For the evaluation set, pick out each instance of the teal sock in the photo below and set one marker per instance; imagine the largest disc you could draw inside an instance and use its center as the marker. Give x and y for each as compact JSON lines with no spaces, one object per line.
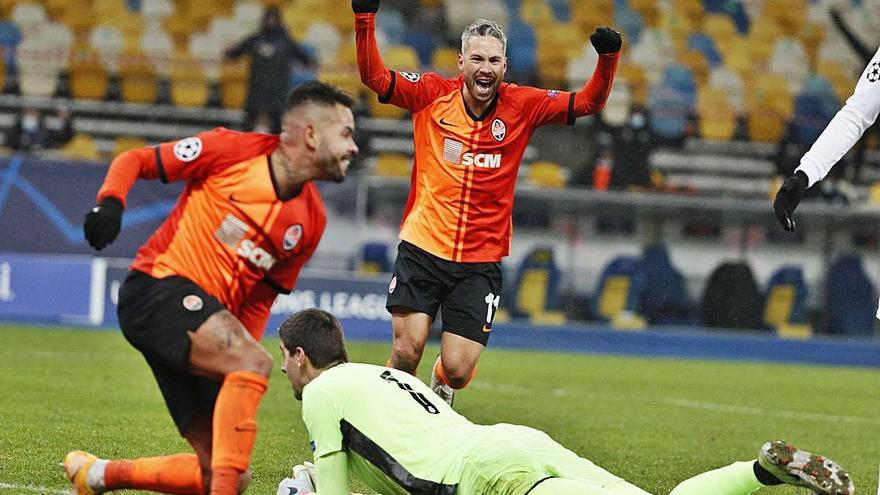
{"x":736,"y":479}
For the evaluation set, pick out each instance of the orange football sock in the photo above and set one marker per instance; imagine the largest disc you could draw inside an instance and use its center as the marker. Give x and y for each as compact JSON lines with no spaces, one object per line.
{"x":179,"y":473}
{"x":440,"y":374}
{"x":235,"y":429}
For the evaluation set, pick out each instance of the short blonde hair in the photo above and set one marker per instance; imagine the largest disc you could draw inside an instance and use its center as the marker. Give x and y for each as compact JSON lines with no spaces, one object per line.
{"x":484,"y":27}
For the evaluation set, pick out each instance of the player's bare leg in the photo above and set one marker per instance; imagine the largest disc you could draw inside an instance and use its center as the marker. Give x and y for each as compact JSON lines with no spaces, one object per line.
{"x":222,"y":348}
{"x":410,"y":333}
{"x":456,"y":365}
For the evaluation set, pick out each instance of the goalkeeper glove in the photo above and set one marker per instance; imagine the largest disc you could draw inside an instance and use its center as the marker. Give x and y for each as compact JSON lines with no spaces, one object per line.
{"x":302,"y":482}
{"x":606,"y":40}
{"x":102,"y":224}
{"x":790,"y":194}
{"x":365,"y":6}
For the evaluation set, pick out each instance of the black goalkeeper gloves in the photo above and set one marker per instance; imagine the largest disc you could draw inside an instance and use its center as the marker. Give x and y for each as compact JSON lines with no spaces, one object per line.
{"x":790,"y":194}
{"x":103,"y":222}
{"x":606,"y":40}
{"x":365,"y":6}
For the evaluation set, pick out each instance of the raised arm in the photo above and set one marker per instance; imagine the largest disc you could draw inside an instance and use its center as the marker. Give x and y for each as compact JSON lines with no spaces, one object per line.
{"x":373,"y":72}
{"x":592,"y":97}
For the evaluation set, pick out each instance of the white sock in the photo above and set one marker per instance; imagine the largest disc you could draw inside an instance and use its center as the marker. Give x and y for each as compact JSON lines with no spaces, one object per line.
{"x":95,"y":477}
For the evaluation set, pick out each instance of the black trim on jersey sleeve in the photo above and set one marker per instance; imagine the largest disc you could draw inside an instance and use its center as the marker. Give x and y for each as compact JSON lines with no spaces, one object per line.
{"x":570,"y":119}
{"x":159,"y":166}
{"x":387,"y":96}
{"x":275,"y":286}
{"x":537,"y":483}
{"x":354,"y":440}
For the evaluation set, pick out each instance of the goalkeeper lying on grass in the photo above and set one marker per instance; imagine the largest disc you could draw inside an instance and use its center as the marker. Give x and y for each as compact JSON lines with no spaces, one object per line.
{"x":395,"y":434}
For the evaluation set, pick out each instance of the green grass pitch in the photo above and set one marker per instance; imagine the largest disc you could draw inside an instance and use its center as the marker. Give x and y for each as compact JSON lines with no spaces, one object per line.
{"x":652,"y":421}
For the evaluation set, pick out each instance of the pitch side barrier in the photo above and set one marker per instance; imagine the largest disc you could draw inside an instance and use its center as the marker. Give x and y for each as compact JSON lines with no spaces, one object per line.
{"x":82,"y":291}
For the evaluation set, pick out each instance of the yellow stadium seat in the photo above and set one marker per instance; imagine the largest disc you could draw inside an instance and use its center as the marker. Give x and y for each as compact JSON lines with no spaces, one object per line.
{"x":769,"y":105}
{"x":180,"y":28}
{"x":719,"y":26}
{"x":126,"y":143}
{"x":384,"y":110}
{"x":635,"y":75}
{"x":393,"y":165}
{"x":648,"y":9}
{"x":80,"y":20}
{"x":780,"y":302}
{"x":587,"y":16}
{"x":444,"y":60}
{"x":697,"y":63}
{"x":234,"y":83}
{"x":692,"y":9}
{"x":613,"y":296}
{"x":546,"y":174}
{"x":532,"y":293}
{"x":347,"y":80}
{"x":138,"y":79}
{"x":81,"y":147}
{"x":717,"y":118}
{"x":401,"y":57}
{"x":555,"y":49}
{"x":189,"y":85}
{"x":536,"y":13}
{"x":88,"y":77}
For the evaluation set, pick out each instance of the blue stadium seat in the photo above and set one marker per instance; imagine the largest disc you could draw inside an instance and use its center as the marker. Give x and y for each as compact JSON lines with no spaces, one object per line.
{"x":537,"y":284}
{"x":373,"y":258}
{"x":681,"y":79}
{"x":814,"y":107}
{"x":702,"y":43}
{"x":669,"y":112}
{"x":664,"y":299}
{"x":851,"y":299}
{"x":424,"y":43}
{"x":561,"y":10}
{"x":10,"y":37}
{"x":394,"y":26}
{"x":785,"y":298}
{"x":521,"y":48}
{"x":620,"y":288}
{"x":631,"y":23}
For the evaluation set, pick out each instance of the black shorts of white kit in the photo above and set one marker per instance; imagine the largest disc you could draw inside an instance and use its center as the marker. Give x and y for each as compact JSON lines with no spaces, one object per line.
{"x":467,"y":294}
{"x":155,"y":316}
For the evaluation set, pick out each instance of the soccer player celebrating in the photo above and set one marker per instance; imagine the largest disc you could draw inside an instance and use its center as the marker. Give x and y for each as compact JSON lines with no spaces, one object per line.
{"x":388,"y":429}
{"x":470,"y":133}
{"x":844,"y":130}
{"x":199,"y":292}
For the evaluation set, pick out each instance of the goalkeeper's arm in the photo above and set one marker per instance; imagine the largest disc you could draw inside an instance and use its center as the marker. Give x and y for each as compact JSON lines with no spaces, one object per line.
{"x":333,"y":472}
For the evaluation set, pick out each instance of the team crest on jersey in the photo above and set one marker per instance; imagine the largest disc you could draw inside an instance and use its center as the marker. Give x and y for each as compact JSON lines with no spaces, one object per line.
{"x":410,"y":76}
{"x":187,"y":150}
{"x":499,"y":130}
{"x":292,"y":236}
{"x":553,"y":94}
{"x":193,"y":303}
{"x":874,"y":72}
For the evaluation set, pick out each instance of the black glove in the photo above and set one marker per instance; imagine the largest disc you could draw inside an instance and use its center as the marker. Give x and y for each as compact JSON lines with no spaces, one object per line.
{"x":790,"y":194}
{"x":606,"y":40}
{"x":365,"y":6}
{"x":103,"y":222}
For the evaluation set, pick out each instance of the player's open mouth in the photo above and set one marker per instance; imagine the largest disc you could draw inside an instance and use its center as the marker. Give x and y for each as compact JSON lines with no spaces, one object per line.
{"x":484,"y":83}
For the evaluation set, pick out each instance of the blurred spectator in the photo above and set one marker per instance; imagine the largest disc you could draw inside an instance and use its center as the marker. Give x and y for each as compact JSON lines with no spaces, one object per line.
{"x":30,"y":132}
{"x":621,"y":156}
{"x":272,"y":52}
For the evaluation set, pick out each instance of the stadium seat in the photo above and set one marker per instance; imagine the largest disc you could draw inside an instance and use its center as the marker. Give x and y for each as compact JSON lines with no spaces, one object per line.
{"x":732,"y":85}
{"x":108,"y":42}
{"x":189,"y":86}
{"x":587,"y":16}
{"x":785,"y":297}
{"x":769,"y":105}
{"x":326,"y":39}
{"x":88,"y":77}
{"x":401,"y":57}
{"x":702,"y":43}
{"x":81,"y":147}
{"x":208,"y":49}
{"x":423,"y":42}
{"x":234,"y":83}
{"x":619,"y":105}
{"x":126,"y":143}
{"x":521,"y":50}
{"x":581,"y":68}
{"x":664,"y":299}
{"x":670,"y":111}
{"x":619,"y":290}
{"x":10,"y":37}
{"x":548,"y":175}
{"x":631,"y":24}
{"x":654,"y":53}
{"x":537,"y":287}
{"x":851,"y":299}
{"x":248,"y":15}
{"x":648,"y":9}
{"x":814,"y":107}
{"x":393,"y":165}
{"x":717,"y":117}
{"x":445,"y":61}
{"x":28,"y":16}
{"x":156,"y":10}
{"x":732,"y":299}
{"x":637,"y":79}
{"x":373,"y":259}
{"x":537,"y":13}
{"x":159,"y":47}
{"x":555,"y":49}
{"x":789,"y":61}
{"x":138,"y":79}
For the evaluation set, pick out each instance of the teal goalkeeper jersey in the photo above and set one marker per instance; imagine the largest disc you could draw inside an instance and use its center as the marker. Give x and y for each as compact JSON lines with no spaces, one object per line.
{"x":401,"y":438}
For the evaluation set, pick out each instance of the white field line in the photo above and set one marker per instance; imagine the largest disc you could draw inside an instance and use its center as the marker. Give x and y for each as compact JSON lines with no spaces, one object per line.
{"x":15,"y":488}
{"x":685,"y":403}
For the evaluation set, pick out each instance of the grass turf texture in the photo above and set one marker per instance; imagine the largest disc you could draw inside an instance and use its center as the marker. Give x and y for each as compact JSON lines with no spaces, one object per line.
{"x":652,"y":421}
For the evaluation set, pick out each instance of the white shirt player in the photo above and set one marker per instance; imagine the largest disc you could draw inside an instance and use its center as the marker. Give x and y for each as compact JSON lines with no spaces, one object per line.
{"x":847,"y":126}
